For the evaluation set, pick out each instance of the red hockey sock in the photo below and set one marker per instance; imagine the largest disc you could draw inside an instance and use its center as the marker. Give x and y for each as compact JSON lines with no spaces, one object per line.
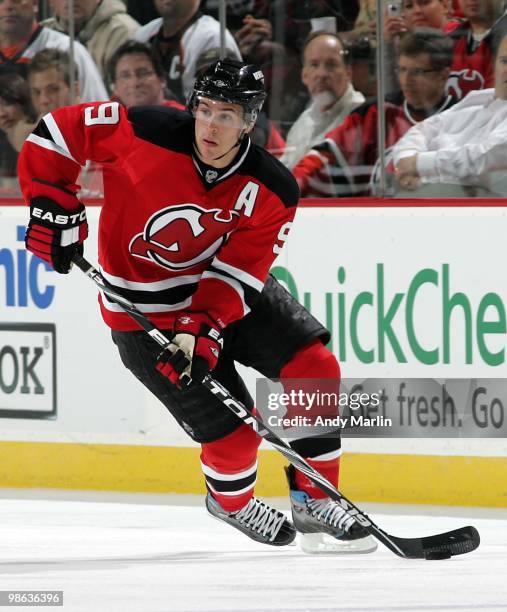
{"x":330,"y":469}
{"x":230,"y":467}
{"x":316,"y":361}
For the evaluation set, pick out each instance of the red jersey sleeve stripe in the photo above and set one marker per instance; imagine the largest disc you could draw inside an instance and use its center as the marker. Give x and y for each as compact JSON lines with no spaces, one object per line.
{"x":56,"y":143}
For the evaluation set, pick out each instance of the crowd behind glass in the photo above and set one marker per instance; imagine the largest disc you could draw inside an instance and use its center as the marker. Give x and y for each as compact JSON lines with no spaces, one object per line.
{"x":444,"y":113}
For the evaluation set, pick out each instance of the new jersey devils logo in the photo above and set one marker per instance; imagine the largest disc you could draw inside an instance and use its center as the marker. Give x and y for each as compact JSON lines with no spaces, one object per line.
{"x":462,"y":82}
{"x":180,"y":237}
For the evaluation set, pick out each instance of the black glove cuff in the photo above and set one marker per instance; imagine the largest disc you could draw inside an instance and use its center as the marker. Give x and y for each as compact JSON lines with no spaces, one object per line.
{"x":48,"y":213}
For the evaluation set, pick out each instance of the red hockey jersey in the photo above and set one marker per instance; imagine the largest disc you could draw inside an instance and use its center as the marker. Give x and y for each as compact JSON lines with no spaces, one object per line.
{"x":171,"y":237}
{"x":472,"y":64}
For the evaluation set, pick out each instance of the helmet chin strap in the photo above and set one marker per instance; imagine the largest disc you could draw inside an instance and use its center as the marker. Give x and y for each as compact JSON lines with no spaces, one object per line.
{"x":236,"y":144}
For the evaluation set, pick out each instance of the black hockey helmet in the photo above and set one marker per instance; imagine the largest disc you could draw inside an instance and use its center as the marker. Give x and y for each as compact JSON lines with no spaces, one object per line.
{"x":231,"y":81}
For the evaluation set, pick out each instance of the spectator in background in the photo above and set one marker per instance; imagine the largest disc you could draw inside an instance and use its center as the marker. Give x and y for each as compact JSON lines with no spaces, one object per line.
{"x":255,"y":38}
{"x":49,"y":82}
{"x":17,"y":119}
{"x":100,"y":25}
{"x":47,"y":89}
{"x":249,"y":23}
{"x":465,"y":146}
{"x":254,"y":35}
{"x":137,"y":77}
{"x":365,"y":25}
{"x":413,"y":14}
{"x":346,"y":162}
{"x":326,"y":75}
{"x":21,"y":37}
{"x":48,"y":77}
{"x":423,"y":14}
{"x":405,"y":16}
{"x":472,"y":66}
{"x":362,"y":62}
{"x":179,"y":37}
{"x":292,"y":22}
{"x":345,"y":12}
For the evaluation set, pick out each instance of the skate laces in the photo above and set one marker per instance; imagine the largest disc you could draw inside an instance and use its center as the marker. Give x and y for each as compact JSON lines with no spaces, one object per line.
{"x":330,"y":512}
{"x":261,"y":518}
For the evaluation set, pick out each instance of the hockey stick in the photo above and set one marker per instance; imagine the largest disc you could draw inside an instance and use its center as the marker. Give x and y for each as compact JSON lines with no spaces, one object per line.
{"x":440,"y":546}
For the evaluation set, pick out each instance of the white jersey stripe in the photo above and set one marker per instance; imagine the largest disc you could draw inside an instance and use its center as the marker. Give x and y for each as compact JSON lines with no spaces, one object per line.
{"x":153,"y":308}
{"x":48,"y":144}
{"x":208,"y":471}
{"x":168,"y":283}
{"x":232,"y":493}
{"x":54,"y":130}
{"x":242,"y":276}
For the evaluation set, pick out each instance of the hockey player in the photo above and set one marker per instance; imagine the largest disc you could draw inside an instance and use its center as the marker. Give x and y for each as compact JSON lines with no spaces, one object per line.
{"x":193,"y":217}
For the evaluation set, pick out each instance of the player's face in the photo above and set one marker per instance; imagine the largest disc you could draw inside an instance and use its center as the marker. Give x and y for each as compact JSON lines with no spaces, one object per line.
{"x":422,"y":85}
{"x":16,"y":17}
{"x":324,"y":71}
{"x":10,"y":114}
{"x":49,"y":91}
{"x":425,"y":13}
{"x":501,"y":71}
{"x":218,"y":125}
{"x":136,"y":82}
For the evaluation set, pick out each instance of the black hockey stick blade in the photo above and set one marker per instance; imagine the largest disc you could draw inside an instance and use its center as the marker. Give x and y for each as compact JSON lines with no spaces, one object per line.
{"x":440,"y":546}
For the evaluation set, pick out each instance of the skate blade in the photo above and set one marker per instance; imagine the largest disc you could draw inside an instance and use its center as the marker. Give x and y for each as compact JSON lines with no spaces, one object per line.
{"x":324,"y":544}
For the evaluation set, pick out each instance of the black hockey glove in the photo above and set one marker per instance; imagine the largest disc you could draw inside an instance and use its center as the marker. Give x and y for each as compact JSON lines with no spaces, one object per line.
{"x":54,"y":233}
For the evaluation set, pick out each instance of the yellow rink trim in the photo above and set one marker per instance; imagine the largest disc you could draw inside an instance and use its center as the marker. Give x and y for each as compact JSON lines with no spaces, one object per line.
{"x":418,"y":479}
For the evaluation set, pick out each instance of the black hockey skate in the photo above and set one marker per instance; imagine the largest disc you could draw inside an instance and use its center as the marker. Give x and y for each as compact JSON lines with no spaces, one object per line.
{"x":324,"y":524}
{"x":257,"y":520}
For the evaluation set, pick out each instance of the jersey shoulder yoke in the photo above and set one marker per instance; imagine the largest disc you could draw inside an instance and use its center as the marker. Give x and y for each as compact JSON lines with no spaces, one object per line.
{"x":262,"y":166}
{"x":163,"y":126}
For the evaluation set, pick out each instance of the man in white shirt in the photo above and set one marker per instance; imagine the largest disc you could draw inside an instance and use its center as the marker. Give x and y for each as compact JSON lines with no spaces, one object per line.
{"x":466,"y":145}
{"x":327,"y":76}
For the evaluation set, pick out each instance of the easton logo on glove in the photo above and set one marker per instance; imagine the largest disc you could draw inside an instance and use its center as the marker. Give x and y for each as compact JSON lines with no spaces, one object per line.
{"x":70,"y":220}
{"x":194,"y":349}
{"x":55,"y":234}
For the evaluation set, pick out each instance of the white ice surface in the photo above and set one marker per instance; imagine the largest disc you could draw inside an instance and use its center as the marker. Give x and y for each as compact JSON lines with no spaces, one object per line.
{"x":142,"y":554}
